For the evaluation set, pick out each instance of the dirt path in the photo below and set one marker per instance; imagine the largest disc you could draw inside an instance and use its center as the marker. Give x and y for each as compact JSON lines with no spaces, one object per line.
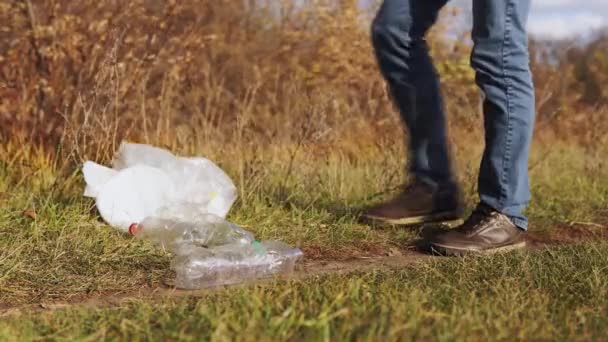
{"x":307,"y":268}
{"x":397,"y":258}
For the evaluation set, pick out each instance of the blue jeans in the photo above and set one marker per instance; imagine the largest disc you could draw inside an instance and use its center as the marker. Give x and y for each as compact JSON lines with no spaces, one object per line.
{"x":501,"y":62}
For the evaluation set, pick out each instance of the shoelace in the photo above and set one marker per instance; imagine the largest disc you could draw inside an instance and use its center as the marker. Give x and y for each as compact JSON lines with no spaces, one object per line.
{"x":479,"y":217}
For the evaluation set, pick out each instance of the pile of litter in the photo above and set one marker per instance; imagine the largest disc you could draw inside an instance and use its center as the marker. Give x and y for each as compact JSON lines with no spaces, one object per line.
{"x":180,"y":204}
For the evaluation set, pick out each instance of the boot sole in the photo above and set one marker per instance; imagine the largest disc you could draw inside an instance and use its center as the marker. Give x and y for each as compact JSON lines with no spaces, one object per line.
{"x":454,"y":251}
{"x":414,"y":220}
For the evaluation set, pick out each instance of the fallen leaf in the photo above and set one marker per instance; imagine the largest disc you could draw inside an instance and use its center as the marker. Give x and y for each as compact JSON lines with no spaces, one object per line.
{"x":30,"y":213}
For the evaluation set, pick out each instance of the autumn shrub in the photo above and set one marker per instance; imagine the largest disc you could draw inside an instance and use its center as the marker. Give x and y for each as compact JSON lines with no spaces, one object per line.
{"x":80,"y":76}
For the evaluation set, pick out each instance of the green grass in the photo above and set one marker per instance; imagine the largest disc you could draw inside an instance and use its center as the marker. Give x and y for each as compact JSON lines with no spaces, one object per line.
{"x":558,"y":294}
{"x":65,"y":253}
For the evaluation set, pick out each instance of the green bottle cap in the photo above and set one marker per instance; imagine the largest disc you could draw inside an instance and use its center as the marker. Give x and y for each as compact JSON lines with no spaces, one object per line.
{"x":258,"y":246}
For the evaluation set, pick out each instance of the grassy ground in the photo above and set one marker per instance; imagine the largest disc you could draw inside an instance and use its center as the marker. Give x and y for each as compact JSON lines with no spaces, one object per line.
{"x":54,"y":248}
{"x":555,"y":294}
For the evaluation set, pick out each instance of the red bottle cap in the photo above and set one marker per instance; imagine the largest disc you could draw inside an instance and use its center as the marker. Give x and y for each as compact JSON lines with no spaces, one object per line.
{"x":134,"y":228}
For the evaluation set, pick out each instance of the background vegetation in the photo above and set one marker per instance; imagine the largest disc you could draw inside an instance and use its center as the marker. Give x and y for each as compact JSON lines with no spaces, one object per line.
{"x":91,"y":73}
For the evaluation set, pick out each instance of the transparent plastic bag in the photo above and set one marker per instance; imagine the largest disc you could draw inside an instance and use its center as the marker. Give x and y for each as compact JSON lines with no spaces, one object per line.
{"x":197,"y":180}
{"x":186,"y":225}
{"x":209,"y":251}
{"x":197,"y":267}
{"x":145,"y":178}
{"x":130,"y":154}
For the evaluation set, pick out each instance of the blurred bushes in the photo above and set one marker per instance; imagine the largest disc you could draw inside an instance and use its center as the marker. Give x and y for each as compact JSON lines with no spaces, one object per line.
{"x":92,"y":72}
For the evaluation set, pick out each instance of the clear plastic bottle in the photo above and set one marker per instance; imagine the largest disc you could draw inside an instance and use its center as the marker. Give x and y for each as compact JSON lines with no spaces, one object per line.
{"x":198,"y":267}
{"x":202,"y":230}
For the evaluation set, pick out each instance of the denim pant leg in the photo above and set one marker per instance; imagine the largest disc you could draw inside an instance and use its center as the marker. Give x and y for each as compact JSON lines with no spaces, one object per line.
{"x":402,"y":53}
{"x":501,"y":61}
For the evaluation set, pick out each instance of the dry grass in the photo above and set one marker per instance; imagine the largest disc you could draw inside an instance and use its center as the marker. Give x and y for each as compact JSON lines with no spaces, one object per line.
{"x":83,"y":76}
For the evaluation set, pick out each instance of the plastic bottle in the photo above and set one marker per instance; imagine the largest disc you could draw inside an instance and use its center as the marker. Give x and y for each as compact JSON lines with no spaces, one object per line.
{"x":201,"y":230}
{"x":198,"y":267}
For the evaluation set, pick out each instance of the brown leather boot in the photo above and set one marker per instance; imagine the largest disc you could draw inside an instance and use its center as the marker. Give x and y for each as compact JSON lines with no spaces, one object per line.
{"x":485,"y":231}
{"x":418,"y":203}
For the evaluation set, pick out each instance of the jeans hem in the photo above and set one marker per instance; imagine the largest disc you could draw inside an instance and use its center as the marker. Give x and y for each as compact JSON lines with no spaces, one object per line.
{"x":512,"y":212}
{"x":519,"y":222}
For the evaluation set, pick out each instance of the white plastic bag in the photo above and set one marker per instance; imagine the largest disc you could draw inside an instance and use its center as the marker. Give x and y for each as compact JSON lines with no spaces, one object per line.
{"x":96,"y":176}
{"x":145,"y":178}
{"x":133,"y":194}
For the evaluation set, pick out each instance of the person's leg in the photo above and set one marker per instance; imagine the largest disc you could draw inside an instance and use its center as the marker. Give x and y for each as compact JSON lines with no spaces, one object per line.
{"x":501,"y":61}
{"x":398,"y":36}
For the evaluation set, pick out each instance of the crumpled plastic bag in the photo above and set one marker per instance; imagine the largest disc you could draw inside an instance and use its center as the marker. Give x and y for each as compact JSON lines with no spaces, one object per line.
{"x":145,"y":178}
{"x":210,"y":251}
